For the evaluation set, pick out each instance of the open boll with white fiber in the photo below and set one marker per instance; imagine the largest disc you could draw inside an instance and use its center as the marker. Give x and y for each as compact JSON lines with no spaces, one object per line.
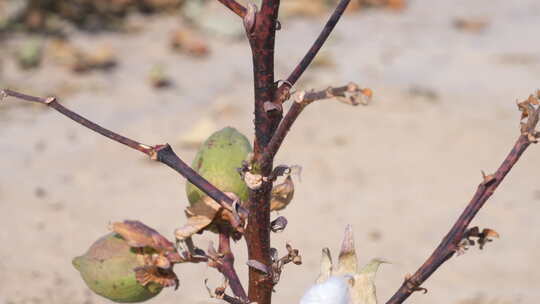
{"x":335,"y":290}
{"x":344,"y":283}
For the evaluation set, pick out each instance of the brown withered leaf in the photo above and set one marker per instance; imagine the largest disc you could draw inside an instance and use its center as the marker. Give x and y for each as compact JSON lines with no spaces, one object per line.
{"x":139,"y":235}
{"x":490,"y":233}
{"x":282,"y":194}
{"x":149,"y":274}
{"x":347,"y":261}
{"x":530,"y":110}
{"x":279,"y":224}
{"x":200,"y":215}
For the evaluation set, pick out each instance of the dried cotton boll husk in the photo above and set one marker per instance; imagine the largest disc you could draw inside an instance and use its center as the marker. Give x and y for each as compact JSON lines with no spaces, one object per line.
{"x":361,"y":282}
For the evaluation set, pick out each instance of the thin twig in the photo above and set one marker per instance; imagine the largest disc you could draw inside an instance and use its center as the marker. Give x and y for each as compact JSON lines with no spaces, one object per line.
{"x":234,"y":6}
{"x":350,"y":94}
{"x":226,"y":267}
{"x":282,"y":93}
{"x":451,"y":242}
{"x":161,"y":153}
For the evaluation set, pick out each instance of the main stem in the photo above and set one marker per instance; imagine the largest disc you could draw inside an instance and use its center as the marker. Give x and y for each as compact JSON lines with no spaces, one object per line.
{"x":258,"y":228}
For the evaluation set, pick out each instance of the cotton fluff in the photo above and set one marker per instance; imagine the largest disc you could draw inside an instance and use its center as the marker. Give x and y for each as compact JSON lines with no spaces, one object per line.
{"x":335,"y":290}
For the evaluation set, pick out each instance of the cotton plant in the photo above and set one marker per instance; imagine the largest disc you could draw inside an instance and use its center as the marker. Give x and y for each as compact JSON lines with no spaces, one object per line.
{"x":344,"y":283}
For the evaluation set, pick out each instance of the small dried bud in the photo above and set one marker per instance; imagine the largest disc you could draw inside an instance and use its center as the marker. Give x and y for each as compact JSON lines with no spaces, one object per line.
{"x":253,"y":181}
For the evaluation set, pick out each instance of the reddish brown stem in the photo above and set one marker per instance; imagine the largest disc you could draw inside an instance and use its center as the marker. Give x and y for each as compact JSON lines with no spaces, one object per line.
{"x":350,"y":91}
{"x":450,"y":244}
{"x":232,"y":300}
{"x":282,"y":93}
{"x":261,"y":37}
{"x":234,"y":6}
{"x":162,"y":153}
{"x":227,"y":266}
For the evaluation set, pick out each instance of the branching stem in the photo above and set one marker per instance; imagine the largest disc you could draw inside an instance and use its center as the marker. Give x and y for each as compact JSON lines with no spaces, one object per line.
{"x":234,"y":6}
{"x":227,"y":266}
{"x":450,"y":244}
{"x":282,"y":93}
{"x":161,"y":153}
{"x":350,"y":94}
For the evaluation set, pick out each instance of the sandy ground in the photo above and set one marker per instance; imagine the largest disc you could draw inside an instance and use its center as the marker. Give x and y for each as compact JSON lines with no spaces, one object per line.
{"x":400,"y":170}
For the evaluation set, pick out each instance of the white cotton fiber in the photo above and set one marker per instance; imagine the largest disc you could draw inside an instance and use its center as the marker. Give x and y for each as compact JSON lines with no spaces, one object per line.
{"x":335,"y":290}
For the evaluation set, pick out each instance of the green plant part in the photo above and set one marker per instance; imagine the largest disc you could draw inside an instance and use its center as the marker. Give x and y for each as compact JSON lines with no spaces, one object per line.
{"x":121,"y":272}
{"x":218,"y":160}
{"x":362,"y":281}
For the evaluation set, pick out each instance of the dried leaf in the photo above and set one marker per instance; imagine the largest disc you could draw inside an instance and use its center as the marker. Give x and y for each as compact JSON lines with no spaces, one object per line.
{"x":138,"y":234}
{"x":326,"y":266}
{"x":148,"y":274}
{"x":194,"y":225}
{"x":347,"y":262}
{"x":363,"y":289}
{"x":279,"y":224}
{"x":490,"y":233}
{"x":200,"y":215}
{"x":282,"y":195}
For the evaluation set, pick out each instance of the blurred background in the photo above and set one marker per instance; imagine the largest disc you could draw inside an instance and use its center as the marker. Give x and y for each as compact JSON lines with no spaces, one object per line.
{"x":445,"y":75}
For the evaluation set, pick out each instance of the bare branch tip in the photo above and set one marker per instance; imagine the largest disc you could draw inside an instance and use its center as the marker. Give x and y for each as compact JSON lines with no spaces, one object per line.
{"x":347,"y":246}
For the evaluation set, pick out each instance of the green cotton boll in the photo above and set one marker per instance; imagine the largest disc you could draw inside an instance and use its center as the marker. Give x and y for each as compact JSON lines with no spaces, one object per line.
{"x":108,"y":267}
{"x":217,"y":160}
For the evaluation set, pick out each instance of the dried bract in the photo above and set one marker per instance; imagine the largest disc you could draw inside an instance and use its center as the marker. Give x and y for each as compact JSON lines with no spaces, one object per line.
{"x":132,"y":264}
{"x":361,"y":282}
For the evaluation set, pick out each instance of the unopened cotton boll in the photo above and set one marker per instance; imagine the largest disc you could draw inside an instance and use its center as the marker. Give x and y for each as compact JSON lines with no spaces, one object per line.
{"x":335,"y":290}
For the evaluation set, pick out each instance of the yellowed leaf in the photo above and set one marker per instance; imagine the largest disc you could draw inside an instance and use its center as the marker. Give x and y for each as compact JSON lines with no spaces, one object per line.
{"x":326,"y":266}
{"x":362,"y":290}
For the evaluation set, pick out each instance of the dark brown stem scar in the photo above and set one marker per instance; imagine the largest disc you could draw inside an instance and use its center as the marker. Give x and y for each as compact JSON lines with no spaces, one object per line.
{"x":413,"y":285}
